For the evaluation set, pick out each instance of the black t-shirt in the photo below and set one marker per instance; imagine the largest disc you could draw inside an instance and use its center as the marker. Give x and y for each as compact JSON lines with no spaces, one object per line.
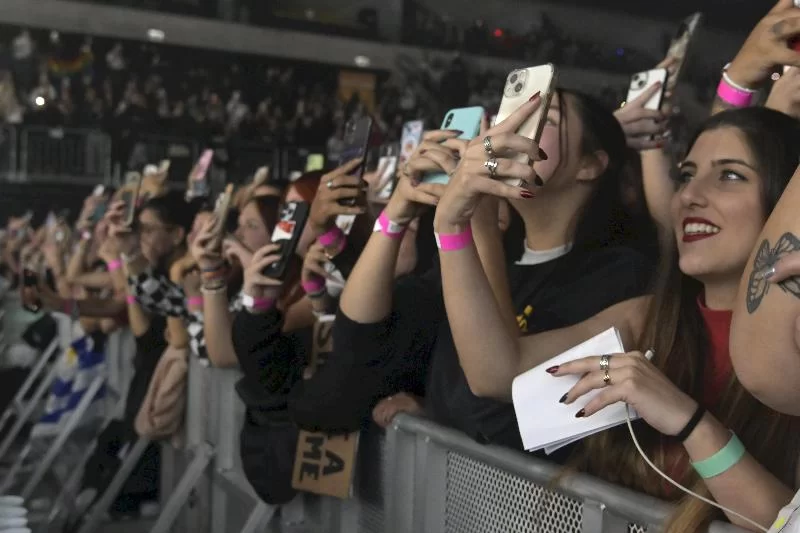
{"x":556,"y":294}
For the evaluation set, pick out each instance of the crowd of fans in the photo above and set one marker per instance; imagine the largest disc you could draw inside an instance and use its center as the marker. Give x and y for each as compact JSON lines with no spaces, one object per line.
{"x":443,"y":293}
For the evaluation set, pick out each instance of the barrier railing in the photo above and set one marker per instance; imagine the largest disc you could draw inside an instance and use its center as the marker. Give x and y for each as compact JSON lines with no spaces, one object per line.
{"x":418,"y":477}
{"x":61,"y":153}
{"x":182,"y":152}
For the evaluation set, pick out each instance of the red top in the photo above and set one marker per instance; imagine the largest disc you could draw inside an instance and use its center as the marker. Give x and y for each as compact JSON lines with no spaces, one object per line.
{"x":716,"y":374}
{"x":718,"y":367}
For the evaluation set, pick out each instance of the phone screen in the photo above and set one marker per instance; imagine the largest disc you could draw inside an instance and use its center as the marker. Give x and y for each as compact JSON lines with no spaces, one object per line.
{"x":679,"y":48}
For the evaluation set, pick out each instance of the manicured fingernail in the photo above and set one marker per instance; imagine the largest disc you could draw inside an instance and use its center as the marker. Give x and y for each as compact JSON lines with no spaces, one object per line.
{"x":536,"y":95}
{"x":538,"y":181}
{"x":457,"y":132}
{"x":552,"y":369}
{"x":563,"y":399}
{"x":580,"y":414}
{"x":526,"y":194}
{"x":542,"y":155}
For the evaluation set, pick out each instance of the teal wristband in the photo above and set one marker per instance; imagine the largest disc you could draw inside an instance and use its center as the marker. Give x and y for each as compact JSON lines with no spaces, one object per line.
{"x":723,"y":460}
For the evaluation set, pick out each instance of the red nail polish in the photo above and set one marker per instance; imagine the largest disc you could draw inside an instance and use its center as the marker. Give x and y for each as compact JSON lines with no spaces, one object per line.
{"x":580,"y":414}
{"x":552,"y":369}
{"x":535,"y":96}
{"x":526,"y":194}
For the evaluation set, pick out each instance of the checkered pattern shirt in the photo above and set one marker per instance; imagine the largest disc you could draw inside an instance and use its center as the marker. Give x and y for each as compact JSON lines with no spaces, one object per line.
{"x":158,"y":295}
{"x":196,"y":328}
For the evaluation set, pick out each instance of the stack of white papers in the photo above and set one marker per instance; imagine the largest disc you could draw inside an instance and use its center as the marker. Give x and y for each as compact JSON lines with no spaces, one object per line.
{"x":546,"y":423}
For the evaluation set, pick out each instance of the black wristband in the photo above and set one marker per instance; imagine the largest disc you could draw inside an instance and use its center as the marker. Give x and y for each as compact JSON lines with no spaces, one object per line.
{"x":689,"y":427}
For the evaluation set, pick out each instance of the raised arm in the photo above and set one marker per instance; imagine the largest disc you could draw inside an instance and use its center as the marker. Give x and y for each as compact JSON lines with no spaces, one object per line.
{"x":765,"y":333}
{"x":490,"y":351}
{"x":765,"y":49}
{"x":367,"y":296}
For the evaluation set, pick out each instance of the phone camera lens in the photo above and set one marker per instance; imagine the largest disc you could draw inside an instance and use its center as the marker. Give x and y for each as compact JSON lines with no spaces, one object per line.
{"x":518,"y":87}
{"x":448,"y":121}
{"x":512,"y":78}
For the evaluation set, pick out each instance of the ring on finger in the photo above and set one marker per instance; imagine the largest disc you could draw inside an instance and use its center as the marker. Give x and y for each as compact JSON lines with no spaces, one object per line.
{"x":491,"y":166}
{"x":487,"y":146}
{"x":606,"y":378}
{"x":330,"y":184}
{"x":605,"y":361}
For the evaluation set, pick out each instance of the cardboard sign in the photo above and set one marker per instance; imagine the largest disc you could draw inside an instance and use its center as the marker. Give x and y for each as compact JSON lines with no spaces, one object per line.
{"x":324,"y":464}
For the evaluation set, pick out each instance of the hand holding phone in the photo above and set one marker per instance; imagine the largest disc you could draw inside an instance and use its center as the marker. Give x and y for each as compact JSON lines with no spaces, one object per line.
{"x":221,"y":212}
{"x":356,"y":142}
{"x":287,"y":233}
{"x":130,"y":199}
{"x":198,"y":185}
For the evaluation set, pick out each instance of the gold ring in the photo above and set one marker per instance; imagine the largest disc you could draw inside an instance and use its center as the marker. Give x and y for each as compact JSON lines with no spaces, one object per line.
{"x":491,"y":165}
{"x":605,"y":361}
{"x":606,"y":378}
{"x":487,"y":146}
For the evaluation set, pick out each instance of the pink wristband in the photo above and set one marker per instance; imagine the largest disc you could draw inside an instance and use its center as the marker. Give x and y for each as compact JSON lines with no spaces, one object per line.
{"x":393,"y":230}
{"x":314,"y":285}
{"x":131,"y":299}
{"x":454,"y":241}
{"x":331,"y":237}
{"x":114,"y":265}
{"x":194,"y":301}
{"x":733,"y":96}
{"x":263,"y":304}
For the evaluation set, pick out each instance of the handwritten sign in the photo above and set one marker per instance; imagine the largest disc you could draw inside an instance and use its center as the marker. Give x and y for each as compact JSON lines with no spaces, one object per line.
{"x":325,"y":464}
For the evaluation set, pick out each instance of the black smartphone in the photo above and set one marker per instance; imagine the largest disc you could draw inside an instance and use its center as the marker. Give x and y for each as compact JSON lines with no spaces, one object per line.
{"x":356,"y":142}
{"x":287,"y":233}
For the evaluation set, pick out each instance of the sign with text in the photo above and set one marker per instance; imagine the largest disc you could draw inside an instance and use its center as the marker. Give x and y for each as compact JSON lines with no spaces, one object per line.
{"x":325,"y":464}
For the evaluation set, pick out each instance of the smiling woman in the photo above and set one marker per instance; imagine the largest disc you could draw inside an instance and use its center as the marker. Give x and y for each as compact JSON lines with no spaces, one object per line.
{"x":696,"y":412}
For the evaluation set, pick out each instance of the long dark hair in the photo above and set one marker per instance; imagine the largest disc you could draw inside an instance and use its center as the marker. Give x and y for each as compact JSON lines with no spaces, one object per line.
{"x":675,"y":329}
{"x":603,"y":219}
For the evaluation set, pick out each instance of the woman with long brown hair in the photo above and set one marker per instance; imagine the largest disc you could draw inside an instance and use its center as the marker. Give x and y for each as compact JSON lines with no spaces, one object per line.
{"x":694,"y":410}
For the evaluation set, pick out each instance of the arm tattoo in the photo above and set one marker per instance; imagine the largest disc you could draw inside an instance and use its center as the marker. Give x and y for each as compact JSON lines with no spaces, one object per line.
{"x":758,"y":285}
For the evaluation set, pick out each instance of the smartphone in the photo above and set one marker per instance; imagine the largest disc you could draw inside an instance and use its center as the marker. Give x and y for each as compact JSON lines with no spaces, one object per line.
{"x":468,"y":121}
{"x":315,"y":162}
{"x":287,"y":233}
{"x":521,"y":86}
{"x":260,"y":177}
{"x":131,"y":197}
{"x":198,"y":185}
{"x":163,"y":167}
{"x":642,"y":81}
{"x":99,"y":190}
{"x":680,"y":46}
{"x":410,"y":139}
{"x":356,"y":141}
{"x":221,"y":211}
{"x":387,"y":164}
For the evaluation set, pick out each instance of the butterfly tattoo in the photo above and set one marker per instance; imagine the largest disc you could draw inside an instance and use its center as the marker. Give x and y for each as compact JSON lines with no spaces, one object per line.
{"x":758,"y":285}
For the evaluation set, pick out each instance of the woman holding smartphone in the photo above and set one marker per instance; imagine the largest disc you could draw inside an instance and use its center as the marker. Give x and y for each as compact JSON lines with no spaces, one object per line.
{"x":692,"y":408}
{"x":566,"y":260}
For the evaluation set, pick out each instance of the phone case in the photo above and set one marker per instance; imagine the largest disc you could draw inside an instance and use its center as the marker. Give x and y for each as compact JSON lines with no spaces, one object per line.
{"x":642,"y":81}
{"x":356,"y":142}
{"x":680,"y":46}
{"x":468,"y":121}
{"x":131,"y":197}
{"x":410,"y":139}
{"x":521,"y":86}
{"x":198,"y":184}
{"x":221,"y":211}
{"x":386,"y":180}
{"x":287,"y":232}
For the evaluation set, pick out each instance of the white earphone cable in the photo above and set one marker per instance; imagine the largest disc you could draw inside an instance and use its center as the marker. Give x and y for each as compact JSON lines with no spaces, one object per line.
{"x":647,"y":460}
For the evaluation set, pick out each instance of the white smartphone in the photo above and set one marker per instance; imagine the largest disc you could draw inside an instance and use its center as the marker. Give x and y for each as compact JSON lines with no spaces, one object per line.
{"x":643,"y":81}
{"x":520,"y":87}
{"x":100,"y":190}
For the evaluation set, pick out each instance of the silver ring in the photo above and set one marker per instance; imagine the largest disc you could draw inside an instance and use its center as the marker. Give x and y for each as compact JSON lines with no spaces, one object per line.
{"x":487,"y":146}
{"x":330,"y":184}
{"x":606,"y":378}
{"x":491,"y":165}
{"x":605,"y":361}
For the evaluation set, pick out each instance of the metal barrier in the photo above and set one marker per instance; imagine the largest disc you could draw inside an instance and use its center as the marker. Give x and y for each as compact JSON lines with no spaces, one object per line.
{"x":8,"y":150}
{"x":182,"y":153}
{"x":60,"y":153}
